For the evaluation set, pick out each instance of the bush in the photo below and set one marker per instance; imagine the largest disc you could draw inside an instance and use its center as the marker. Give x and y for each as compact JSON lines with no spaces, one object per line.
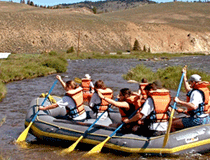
{"x":59,"y":64}
{"x":106,"y":52}
{"x":70,"y":50}
{"x":52,"y":53}
{"x":119,"y":52}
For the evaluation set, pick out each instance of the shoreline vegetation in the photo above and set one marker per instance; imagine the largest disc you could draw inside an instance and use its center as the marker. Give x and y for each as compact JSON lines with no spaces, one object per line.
{"x":26,"y":66}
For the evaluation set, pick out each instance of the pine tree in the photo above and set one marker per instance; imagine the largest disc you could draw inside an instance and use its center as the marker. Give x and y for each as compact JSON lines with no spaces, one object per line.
{"x":136,"y":46}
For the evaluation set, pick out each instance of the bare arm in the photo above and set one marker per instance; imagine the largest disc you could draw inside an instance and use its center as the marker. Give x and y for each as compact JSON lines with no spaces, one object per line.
{"x":61,"y":81}
{"x":113,"y":102}
{"x":135,"y":118}
{"x":185,"y":104}
{"x":186,"y":84}
{"x":52,"y":106}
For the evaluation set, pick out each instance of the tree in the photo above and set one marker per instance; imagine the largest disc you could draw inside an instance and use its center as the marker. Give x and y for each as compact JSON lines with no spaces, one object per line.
{"x":136,"y":46}
{"x":94,"y":10}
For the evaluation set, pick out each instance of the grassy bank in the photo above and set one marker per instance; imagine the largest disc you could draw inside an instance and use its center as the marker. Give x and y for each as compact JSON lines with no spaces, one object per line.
{"x":25,"y":66}
{"x":170,"y":76}
{"x":135,"y":55}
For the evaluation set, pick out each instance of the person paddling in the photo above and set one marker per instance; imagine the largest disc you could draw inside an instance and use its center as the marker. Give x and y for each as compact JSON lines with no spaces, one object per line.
{"x":72,"y":102}
{"x":97,"y":104}
{"x":197,"y":103}
{"x":153,"y":117}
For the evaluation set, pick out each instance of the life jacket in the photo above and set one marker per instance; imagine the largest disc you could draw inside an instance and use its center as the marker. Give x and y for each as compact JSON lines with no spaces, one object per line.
{"x":134,"y":104}
{"x":161,"y":100}
{"x":205,"y":106}
{"x":77,"y":96}
{"x":108,"y":93}
{"x":86,"y":84}
{"x":143,"y":92}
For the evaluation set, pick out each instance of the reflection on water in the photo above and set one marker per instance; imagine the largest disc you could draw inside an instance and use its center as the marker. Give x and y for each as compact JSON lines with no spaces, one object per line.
{"x":14,"y":107}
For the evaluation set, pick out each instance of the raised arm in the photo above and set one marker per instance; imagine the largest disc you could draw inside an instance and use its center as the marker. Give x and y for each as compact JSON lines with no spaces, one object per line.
{"x":61,"y":81}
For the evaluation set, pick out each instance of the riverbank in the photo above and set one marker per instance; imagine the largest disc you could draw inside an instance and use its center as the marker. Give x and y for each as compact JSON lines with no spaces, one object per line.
{"x":26,"y":66}
{"x":169,"y":76}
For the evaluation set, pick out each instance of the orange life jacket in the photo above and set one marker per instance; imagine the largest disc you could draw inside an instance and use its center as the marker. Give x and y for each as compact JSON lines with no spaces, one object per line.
{"x":108,"y":93}
{"x":86,"y":84}
{"x":134,"y":103}
{"x":77,"y":96}
{"x":143,"y":92}
{"x":203,"y":89}
{"x":161,"y":99}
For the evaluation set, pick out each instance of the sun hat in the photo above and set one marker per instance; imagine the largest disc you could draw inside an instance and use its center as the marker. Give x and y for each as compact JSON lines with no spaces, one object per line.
{"x":195,"y":77}
{"x":87,"y":76}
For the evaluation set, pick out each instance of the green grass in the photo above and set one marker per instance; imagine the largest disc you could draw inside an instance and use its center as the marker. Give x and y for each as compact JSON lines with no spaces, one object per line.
{"x":25,"y":66}
{"x":170,"y":76}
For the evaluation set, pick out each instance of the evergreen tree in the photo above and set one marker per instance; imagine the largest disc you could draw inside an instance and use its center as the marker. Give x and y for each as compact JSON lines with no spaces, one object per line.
{"x":136,"y":46}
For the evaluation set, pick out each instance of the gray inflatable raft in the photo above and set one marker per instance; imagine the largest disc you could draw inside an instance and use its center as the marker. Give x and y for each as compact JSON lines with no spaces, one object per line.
{"x":51,"y":125}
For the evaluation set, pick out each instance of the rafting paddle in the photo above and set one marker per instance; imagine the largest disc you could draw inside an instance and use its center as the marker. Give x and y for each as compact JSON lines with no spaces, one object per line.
{"x":71,"y":148}
{"x":172,"y":113}
{"x":98,"y":148}
{"x":77,"y":80}
{"x":23,"y":135}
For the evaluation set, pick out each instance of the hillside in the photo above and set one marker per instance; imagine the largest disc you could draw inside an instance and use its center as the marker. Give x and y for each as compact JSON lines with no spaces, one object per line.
{"x":166,"y":27}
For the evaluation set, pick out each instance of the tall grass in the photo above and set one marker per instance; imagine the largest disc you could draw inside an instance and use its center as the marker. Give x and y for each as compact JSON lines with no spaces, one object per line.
{"x":170,"y":76}
{"x":25,"y":66}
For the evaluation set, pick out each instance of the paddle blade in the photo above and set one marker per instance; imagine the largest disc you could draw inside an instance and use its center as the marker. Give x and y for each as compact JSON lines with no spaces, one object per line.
{"x":97,"y":149}
{"x":132,"y":81}
{"x":24,"y":134}
{"x":168,"y":130}
{"x":72,"y":147}
{"x":77,"y":80}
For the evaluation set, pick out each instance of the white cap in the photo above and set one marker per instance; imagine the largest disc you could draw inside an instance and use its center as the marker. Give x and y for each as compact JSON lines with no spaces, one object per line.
{"x":87,"y":76}
{"x":195,"y":77}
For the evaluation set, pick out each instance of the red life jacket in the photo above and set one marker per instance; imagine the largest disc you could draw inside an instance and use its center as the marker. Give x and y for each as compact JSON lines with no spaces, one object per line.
{"x":108,"y":93}
{"x":134,"y":103}
{"x":77,"y":96}
{"x":203,"y":89}
{"x":161,"y":99}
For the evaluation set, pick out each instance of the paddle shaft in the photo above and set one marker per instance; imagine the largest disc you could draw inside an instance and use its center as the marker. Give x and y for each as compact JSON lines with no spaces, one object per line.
{"x":172,"y":113}
{"x":23,"y":135}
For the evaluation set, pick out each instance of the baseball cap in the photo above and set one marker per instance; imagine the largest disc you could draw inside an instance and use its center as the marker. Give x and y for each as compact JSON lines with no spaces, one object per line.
{"x":195,"y":77}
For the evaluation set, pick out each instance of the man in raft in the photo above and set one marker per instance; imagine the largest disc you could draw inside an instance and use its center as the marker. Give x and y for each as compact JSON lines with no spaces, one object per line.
{"x":72,"y":102}
{"x":197,"y":103}
{"x":153,"y":117}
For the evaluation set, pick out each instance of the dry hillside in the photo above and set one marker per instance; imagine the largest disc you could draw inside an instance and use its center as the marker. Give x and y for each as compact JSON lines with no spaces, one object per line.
{"x":166,"y":27}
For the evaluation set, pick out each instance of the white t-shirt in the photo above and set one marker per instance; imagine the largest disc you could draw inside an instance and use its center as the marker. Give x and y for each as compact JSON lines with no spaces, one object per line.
{"x":147,"y":108}
{"x":196,"y":98}
{"x":69,"y":102}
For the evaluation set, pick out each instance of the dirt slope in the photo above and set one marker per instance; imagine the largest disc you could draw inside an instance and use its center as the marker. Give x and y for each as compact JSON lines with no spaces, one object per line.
{"x":160,"y":27}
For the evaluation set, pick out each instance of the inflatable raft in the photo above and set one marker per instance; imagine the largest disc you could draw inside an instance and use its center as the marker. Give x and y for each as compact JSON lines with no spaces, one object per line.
{"x":50,"y":126}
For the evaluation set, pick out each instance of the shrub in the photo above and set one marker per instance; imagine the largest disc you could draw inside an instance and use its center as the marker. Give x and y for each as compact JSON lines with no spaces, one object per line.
{"x":70,"y":50}
{"x":119,"y":52}
{"x":58,"y":64}
{"x":52,"y":53}
{"x":106,"y":52}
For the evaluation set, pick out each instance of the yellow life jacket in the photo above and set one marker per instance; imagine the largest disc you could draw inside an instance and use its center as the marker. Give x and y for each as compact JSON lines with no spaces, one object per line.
{"x":77,"y":96}
{"x":108,"y":93}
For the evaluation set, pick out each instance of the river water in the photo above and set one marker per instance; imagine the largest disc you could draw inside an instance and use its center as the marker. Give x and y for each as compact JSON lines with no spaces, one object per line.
{"x":14,"y":106}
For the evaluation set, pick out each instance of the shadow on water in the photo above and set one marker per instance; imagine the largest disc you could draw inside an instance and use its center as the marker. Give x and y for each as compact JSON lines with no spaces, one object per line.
{"x":20,"y":93}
